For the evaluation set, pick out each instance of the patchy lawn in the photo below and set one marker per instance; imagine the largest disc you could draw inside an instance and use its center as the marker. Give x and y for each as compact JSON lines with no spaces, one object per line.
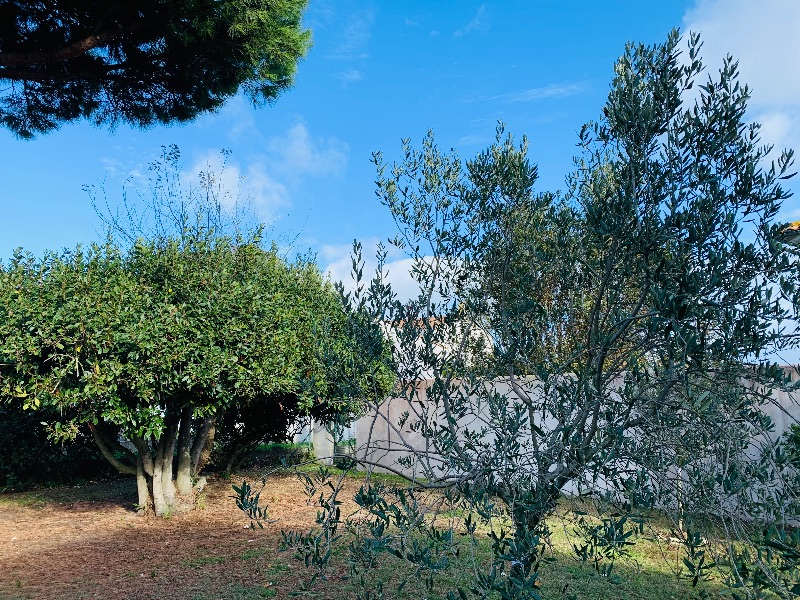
{"x":88,"y":542}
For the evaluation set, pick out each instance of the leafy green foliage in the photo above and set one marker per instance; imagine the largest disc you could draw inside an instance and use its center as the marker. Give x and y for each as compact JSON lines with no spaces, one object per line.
{"x":28,"y":457}
{"x":243,"y":426}
{"x":769,"y":564}
{"x":315,"y":546}
{"x":100,"y":324}
{"x":157,"y":343}
{"x":791,"y":446}
{"x":278,"y":455}
{"x":697,"y":556}
{"x":150,"y":62}
{"x":603,"y":543}
{"x":401,"y":529}
{"x":247,"y":500}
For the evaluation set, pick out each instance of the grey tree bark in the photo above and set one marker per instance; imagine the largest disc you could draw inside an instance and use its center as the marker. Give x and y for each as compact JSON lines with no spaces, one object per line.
{"x":167,"y":468}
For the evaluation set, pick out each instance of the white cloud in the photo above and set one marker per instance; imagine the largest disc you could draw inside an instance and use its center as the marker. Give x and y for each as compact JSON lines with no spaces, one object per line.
{"x":354,"y":35}
{"x":126,"y":163}
{"x":349,"y":76}
{"x":792,"y":215}
{"x":112,"y":166}
{"x":478,"y":23}
{"x":297,"y":153}
{"x":211,"y":172}
{"x":234,"y":186}
{"x":263,"y":182}
{"x":473,"y":139}
{"x":554,"y":90}
{"x":266,"y":194}
{"x":337,"y":263}
{"x":780,"y":127}
{"x":239,"y":117}
{"x":763,"y":37}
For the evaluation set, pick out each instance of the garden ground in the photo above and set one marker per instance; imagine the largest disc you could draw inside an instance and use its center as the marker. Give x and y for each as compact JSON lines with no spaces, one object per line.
{"x":88,"y":542}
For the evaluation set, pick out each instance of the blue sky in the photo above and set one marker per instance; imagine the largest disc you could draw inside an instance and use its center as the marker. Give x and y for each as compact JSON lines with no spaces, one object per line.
{"x":382,"y":71}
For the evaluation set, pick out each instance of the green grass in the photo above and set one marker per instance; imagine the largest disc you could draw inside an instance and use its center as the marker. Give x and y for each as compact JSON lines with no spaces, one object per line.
{"x":252,"y":553}
{"x":287,"y":446}
{"x":199,"y":562}
{"x":650,"y":571}
{"x":565,"y":578}
{"x":24,"y":499}
{"x":386,"y":478}
{"x":239,"y":592}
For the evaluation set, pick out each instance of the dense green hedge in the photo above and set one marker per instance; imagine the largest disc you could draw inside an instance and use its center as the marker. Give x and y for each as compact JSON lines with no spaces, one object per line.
{"x":28,"y":458}
{"x":277,"y":454}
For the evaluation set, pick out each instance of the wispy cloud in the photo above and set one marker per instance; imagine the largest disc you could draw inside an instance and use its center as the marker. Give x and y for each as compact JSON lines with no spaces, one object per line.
{"x":780,"y":127}
{"x":262,"y":183}
{"x":349,"y":76}
{"x":234,"y":185}
{"x":472,"y":139}
{"x":554,"y":90}
{"x":112,"y":166}
{"x":762,"y":36}
{"x":296,"y":153}
{"x":239,"y":117}
{"x":478,"y":23}
{"x":129,"y":164}
{"x":354,"y":36}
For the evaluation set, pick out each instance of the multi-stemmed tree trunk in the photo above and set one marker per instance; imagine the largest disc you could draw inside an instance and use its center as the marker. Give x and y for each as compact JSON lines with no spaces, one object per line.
{"x":165,"y":485}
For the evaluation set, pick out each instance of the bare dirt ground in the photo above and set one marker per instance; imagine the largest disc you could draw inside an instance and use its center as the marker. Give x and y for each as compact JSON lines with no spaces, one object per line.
{"x":88,"y":542}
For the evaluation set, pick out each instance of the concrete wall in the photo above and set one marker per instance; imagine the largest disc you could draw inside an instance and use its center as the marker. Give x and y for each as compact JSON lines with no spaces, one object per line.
{"x":381,"y":441}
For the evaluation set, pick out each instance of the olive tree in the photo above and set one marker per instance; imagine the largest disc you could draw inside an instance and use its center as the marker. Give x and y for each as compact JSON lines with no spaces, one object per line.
{"x":617,"y":342}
